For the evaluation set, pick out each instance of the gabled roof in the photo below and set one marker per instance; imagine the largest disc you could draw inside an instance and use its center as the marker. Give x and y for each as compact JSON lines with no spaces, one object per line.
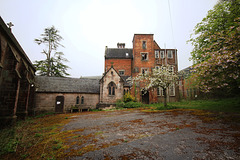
{"x":9,"y":34}
{"x":66,"y":85}
{"x":119,"y":53}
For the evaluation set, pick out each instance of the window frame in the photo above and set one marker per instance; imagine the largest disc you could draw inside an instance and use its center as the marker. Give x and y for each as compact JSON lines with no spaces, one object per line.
{"x":121,"y":71}
{"x":77,"y":100}
{"x":112,"y":89}
{"x":162,"y":54}
{"x":144,"y":53}
{"x":144,"y":44}
{"x":82,"y":100}
{"x":170,"y":51}
{"x":173,"y":89}
{"x":145,"y":71}
{"x":156,"y":54}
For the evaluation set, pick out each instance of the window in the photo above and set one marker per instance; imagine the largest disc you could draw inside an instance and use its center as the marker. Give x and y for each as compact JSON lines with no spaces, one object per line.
{"x":162,"y":54}
{"x":157,"y":67}
{"x":144,"y":56}
{"x":171,"y":69}
{"x":144,"y":44}
{"x":144,"y":71}
{"x":159,"y":91}
{"x":172,"y":90}
{"x":121,"y":72}
{"x":82,"y":100}
{"x":156,"y":54}
{"x":77,"y":100}
{"x":111,"y":88}
{"x":169,"y":54}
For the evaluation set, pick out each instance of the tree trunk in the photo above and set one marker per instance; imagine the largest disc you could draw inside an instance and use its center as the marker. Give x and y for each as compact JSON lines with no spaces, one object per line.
{"x":165,"y":97}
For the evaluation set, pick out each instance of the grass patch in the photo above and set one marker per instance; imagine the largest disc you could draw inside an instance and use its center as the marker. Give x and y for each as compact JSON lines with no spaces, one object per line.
{"x":223,"y":105}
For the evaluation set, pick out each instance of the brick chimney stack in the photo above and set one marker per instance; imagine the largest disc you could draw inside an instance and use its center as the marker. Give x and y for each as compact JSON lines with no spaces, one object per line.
{"x":121,"y":45}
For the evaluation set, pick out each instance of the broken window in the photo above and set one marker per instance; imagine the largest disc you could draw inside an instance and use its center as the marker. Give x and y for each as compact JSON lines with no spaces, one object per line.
{"x":144,"y":71}
{"x":144,"y":56}
{"x":144,"y":44}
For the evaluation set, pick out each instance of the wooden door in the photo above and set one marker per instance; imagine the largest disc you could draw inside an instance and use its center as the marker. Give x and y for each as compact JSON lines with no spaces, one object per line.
{"x":59,"y":104}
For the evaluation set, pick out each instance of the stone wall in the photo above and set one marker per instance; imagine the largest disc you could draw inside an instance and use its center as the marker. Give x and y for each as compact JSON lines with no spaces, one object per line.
{"x":16,"y":78}
{"x":111,"y":76}
{"x":46,"y":102}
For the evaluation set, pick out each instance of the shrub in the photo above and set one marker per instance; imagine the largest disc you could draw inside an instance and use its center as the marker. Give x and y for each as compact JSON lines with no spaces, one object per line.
{"x":133,"y":105}
{"x":120,"y":103}
{"x":128,"y":98}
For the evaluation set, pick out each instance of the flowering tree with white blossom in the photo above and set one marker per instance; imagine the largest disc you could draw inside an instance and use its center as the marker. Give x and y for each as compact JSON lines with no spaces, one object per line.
{"x":162,"y":77}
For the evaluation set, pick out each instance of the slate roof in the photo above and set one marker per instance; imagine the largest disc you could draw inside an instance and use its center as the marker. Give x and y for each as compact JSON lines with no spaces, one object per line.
{"x":119,"y":53}
{"x":67,"y":85}
{"x":126,"y":84}
{"x":8,"y":32}
{"x":185,"y":72}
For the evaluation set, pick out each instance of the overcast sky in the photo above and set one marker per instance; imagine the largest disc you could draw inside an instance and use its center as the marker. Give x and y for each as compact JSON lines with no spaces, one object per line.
{"x":87,"y":26}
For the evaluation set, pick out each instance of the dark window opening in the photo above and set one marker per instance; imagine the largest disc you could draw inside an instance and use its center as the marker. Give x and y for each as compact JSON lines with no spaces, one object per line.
{"x":111,"y":88}
{"x":77,"y":100}
{"x":121,"y":73}
{"x":144,"y":56}
{"x":82,"y":100}
{"x":144,"y":44}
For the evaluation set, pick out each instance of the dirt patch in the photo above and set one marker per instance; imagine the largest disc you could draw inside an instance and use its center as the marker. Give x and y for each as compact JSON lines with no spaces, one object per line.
{"x":175,"y":134}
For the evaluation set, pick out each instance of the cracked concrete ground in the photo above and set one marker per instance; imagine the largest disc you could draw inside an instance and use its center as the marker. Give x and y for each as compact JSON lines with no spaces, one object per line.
{"x":133,"y":134}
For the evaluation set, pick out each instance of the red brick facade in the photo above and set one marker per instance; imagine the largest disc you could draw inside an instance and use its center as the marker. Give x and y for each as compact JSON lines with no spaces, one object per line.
{"x":145,"y":55}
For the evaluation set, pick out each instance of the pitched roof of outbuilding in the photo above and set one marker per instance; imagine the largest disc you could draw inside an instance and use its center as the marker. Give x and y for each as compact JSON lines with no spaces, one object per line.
{"x":67,"y":85}
{"x":119,"y":53}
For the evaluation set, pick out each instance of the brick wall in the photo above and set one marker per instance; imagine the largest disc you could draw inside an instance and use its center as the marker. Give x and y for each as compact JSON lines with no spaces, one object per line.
{"x":119,"y":64}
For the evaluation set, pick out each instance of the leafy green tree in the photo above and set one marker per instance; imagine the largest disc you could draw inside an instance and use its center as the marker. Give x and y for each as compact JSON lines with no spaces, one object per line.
{"x":52,"y":65}
{"x":216,"y":52}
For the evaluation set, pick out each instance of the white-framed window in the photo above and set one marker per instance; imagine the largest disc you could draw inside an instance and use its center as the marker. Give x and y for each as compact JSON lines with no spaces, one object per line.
{"x":121,"y":72}
{"x":156,"y":54}
{"x":144,"y":44}
{"x":162,"y":54}
{"x":144,"y":56}
{"x":144,"y":71}
{"x":169,"y":54}
{"x":172,"y":90}
{"x":159,"y":91}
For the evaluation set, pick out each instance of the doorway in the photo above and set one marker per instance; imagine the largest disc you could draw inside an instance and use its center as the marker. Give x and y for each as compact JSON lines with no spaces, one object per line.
{"x":59,"y":104}
{"x":145,"y":97}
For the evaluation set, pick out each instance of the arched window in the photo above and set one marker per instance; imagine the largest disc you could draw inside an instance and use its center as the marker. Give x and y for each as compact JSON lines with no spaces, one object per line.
{"x":82,"y":100}
{"x":124,"y":91}
{"x":77,"y":100}
{"x":111,"y":88}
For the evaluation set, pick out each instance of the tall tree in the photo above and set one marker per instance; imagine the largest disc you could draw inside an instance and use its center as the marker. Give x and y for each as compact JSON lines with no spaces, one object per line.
{"x":52,"y":65}
{"x":216,"y":52}
{"x":158,"y":78}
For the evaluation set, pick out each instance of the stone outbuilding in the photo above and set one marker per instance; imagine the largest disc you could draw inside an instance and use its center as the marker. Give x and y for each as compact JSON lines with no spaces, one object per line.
{"x":60,"y":95}
{"x":16,"y":78}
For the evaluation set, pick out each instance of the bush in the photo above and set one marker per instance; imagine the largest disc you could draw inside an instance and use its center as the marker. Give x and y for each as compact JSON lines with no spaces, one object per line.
{"x":128,"y":98}
{"x":133,"y":105}
{"x":120,"y":103}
